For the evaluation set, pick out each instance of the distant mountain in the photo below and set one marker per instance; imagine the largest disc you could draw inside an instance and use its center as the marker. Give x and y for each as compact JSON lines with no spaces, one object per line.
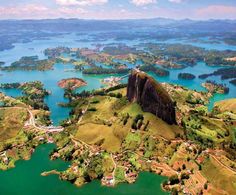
{"x":74,"y":25}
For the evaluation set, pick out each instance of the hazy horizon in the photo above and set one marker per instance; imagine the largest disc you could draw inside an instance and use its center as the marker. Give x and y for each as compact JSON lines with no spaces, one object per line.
{"x":118,"y":9}
{"x":131,"y":19}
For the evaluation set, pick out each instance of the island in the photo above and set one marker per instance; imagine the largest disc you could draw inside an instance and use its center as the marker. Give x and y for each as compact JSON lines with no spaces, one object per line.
{"x":100,"y":70}
{"x":29,"y":63}
{"x":71,"y":83}
{"x":224,"y":73}
{"x":186,"y":76}
{"x":157,"y":71}
{"x":233,"y":82}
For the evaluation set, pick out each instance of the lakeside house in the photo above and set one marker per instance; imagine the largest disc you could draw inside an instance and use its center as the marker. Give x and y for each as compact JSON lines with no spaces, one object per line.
{"x":108,"y":180}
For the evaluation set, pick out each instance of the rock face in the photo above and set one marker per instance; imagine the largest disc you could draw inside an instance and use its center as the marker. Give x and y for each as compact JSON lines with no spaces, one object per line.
{"x":151,"y":96}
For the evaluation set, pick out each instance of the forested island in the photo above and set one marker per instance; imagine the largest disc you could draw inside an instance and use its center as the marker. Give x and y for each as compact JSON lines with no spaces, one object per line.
{"x":187,"y":76}
{"x":224,"y":73}
{"x":155,"y":70}
{"x":233,"y":82}
{"x":29,"y":63}
{"x":99,"y":70}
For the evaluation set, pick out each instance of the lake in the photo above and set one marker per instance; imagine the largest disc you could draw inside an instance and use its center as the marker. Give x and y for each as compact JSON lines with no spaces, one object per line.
{"x":25,"y":178}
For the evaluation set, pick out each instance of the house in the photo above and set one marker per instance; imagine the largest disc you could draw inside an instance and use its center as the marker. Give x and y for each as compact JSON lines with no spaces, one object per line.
{"x":5,"y":160}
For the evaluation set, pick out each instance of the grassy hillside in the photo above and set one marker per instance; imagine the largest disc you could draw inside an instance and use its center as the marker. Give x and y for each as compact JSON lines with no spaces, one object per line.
{"x":108,"y":121}
{"x":11,"y":122}
{"x":227,"y":105}
{"x":219,"y":176}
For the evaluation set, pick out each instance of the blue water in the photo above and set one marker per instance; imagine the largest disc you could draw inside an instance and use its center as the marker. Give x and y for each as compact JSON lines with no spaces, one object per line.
{"x":195,"y":84}
{"x":50,"y":78}
{"x":25,"y":179}
{"x":20,"y":176}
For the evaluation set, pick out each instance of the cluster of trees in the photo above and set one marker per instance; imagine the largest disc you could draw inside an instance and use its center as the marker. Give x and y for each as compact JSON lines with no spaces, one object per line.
{"x":178,"y":53}
{"x":193,"y":100}
{"x":190,"y":55}
{"x":219,"y":58}
{"x":56,"y":52}
{"x":95,"y":168}
{"x":218,"y":86}
{"x":233,"y":82}
{"x":225,"y":73}
{"x":120,"y":49}
{"x":100,"y":70}
{"x":137,"y":122}
{"x":10,"y":85}
{"x":71,"y":94}
{"x":30,"y":63}
{"x":154,"y":69}
{"x":187,"y":76}
{"x":117,"y":95}
{"x":125,"y":118}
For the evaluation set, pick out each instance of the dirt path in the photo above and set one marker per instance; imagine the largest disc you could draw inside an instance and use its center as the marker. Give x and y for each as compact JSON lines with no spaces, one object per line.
{"x":31,"y":121}
{"x":113,"y":173}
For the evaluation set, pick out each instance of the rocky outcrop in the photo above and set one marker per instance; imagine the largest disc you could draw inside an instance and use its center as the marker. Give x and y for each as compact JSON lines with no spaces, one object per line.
{"x":151,"y":96}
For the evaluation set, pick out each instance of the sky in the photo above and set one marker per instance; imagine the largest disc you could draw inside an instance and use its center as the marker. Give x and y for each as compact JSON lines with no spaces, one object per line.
{"x":118,"y":9}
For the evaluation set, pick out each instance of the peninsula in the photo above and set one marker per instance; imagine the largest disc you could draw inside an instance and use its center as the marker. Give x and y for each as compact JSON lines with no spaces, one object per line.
{"x":112,"y":135}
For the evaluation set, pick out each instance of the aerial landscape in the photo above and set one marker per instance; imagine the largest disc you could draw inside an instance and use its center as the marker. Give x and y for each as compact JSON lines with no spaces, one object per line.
{"x":125,"y":97}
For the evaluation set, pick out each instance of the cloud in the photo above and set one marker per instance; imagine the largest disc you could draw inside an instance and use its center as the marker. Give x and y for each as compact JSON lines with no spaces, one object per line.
{"x":26,"y":10}
{"x":175,"y":1}
{"x":34,"y":11}
{"x":81,"y":2}
{"x":71,"y":11}
{"x":217,"y":11}
{"x":142,"y":2}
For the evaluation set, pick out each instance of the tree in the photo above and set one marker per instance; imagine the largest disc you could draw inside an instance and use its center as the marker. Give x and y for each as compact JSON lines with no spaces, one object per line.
{"x":205,"y":186}
{"x":7,"y":146}
{"x":199,"y":167}
{"x":174,"y":191}
{"x":174,"y":179}
{"x":134,"y":126}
